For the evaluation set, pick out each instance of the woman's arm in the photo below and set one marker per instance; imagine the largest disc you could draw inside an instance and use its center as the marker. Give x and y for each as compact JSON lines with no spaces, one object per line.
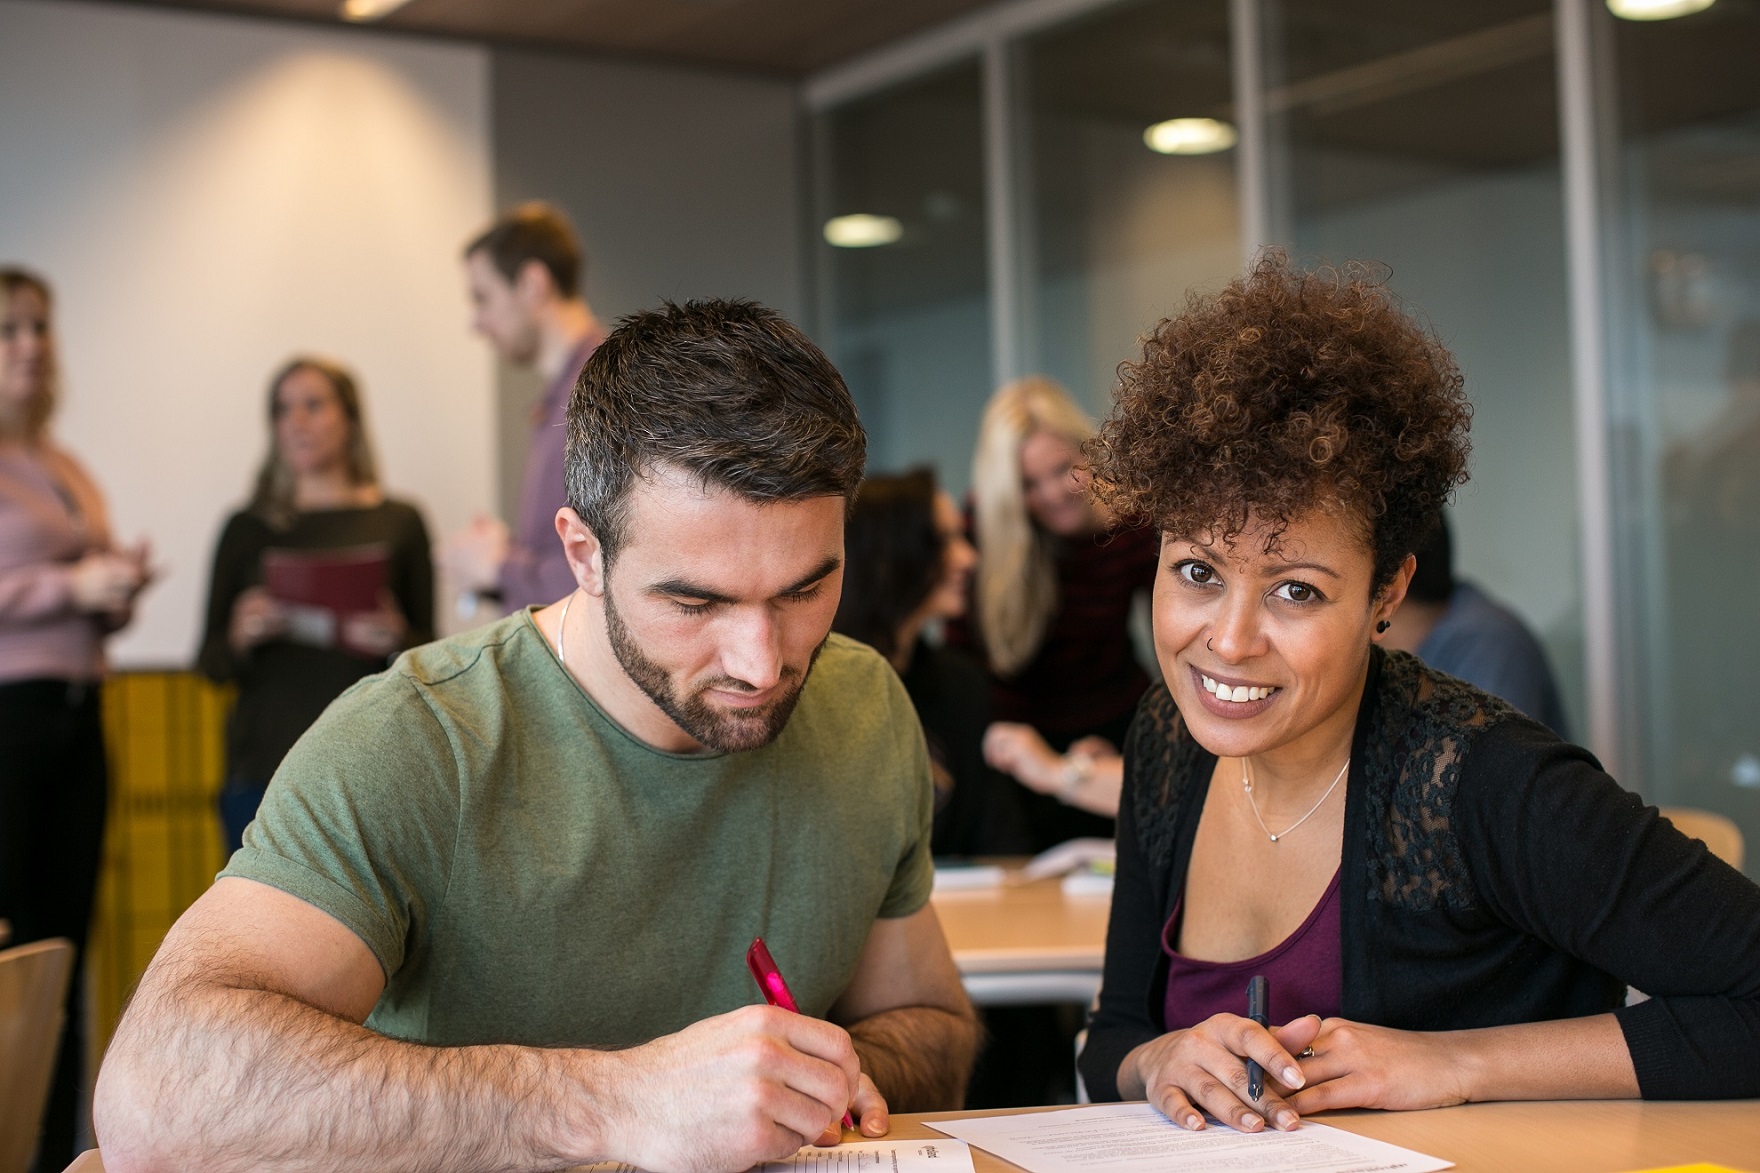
{"x":1585,"y":866}
{"x":235,"y":558}
{"x":415,"y":580}
{"x":1121,"y":1022}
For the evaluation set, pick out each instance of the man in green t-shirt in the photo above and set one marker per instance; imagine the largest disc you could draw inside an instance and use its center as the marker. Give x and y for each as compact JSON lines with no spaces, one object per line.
{"x":494,"y":910}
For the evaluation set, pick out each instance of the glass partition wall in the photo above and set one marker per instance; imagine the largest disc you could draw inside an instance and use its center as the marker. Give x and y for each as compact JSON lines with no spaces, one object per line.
{"x":1684,"y":302}
{"x":1573,"y":199}
{"x":904,"y":287}
{"x":1424,"y":138}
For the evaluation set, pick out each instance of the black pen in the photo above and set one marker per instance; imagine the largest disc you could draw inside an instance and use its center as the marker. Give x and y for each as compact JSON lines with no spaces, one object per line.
{"x":1258,"y":994}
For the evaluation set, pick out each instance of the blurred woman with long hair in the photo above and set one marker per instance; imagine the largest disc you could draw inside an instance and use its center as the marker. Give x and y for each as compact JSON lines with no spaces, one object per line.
{"x":908,"y":566}
{"x":1053,"y":593}
{"x":64,"y":587}
{"x":318,"y":490}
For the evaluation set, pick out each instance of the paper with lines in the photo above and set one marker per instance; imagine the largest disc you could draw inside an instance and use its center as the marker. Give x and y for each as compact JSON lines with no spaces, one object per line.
{"x":1135,"y":1138}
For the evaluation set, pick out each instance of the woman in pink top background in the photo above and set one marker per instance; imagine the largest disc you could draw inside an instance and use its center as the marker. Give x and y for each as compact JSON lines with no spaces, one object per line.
{"x":63,"y":588}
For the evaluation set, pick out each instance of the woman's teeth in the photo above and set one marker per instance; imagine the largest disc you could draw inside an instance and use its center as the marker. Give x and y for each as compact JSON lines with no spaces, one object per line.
{"x":1240,"y":693}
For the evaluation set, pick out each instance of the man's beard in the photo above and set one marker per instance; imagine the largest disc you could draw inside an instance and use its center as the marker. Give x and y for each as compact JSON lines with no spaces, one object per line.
{"x":725,"y":731}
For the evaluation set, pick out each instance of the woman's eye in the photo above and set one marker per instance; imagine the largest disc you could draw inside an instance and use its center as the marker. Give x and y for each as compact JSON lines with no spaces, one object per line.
{"x":1298,"y":592}
{"x":1197,"y":573}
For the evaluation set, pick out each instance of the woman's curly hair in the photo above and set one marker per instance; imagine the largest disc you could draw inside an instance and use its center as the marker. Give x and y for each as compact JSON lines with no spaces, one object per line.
{"x":1286,"y":391}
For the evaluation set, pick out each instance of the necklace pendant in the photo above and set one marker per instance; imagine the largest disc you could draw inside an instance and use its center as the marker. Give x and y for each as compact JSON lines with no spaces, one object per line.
{"x":1274,"y":839}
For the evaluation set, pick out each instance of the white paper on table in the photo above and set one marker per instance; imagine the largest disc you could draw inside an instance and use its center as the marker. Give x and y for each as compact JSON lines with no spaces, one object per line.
{"x":864,"y":1156}
{"x":1113,"y":1138}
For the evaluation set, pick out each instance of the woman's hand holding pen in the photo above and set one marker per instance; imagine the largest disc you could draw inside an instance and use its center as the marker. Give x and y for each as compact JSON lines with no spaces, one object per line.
{"x":1187,"y":1073}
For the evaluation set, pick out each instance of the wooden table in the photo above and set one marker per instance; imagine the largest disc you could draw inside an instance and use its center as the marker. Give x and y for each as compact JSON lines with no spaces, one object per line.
{"x":1025,"y":942}
{"x":1588,"y":1136}
{"x":1592,"y":1136}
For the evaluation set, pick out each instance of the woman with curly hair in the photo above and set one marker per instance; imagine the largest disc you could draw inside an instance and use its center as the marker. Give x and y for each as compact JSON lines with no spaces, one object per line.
{"x":1448,"y":901}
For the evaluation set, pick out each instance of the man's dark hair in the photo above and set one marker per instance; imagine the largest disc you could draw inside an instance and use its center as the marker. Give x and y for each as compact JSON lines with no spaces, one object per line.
{"x":1433,"y":581}
{"x":892,"y":557}
{"x":534,"y":231}
{"x":728,"y":392}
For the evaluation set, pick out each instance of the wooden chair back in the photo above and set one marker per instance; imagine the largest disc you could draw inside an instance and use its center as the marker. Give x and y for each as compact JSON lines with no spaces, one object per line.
{"x":33,"y":994}
{"x":1721,"y":835}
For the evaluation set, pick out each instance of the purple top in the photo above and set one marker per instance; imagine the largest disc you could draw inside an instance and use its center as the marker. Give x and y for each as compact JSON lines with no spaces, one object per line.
{"x":1304,"y":973}
{"x":535,"y":571}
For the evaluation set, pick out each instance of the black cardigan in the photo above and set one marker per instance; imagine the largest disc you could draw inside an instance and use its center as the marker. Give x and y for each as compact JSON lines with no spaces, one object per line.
{"x":1490,"y":874}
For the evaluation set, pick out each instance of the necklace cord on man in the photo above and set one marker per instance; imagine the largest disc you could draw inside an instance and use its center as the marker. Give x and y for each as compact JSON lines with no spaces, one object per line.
{"x":561,"y":621}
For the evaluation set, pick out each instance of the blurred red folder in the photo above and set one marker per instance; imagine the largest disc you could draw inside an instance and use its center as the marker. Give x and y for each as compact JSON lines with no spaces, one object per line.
{"x":345,"y":580}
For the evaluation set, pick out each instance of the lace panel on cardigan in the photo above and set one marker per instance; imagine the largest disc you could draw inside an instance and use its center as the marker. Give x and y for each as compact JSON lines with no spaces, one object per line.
{"x":1419,"y":736}
{"x":1422,"y":727}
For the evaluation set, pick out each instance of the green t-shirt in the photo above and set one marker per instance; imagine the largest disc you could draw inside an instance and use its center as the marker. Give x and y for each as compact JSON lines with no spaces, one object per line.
{"x":526,"y":871}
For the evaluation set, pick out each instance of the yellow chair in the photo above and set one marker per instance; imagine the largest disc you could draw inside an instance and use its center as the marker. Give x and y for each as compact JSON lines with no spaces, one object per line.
{"x":1721,"y":835}
{"x":33,"y":993}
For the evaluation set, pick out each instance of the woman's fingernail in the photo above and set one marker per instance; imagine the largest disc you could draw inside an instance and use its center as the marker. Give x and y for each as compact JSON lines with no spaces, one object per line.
{"x":1194,"y":1122}
{"x":1251,"y":1123}
{"x":1292,"y":1077}
{"x":1287,"y":1120}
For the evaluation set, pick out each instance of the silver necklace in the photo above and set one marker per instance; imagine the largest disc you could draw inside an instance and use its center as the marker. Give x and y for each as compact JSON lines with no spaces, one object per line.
{"x":563,"y":620}
{"x":1247,"y":785}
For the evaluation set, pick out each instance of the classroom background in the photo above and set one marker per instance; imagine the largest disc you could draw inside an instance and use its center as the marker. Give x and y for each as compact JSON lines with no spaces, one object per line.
{"x":947,"y":194}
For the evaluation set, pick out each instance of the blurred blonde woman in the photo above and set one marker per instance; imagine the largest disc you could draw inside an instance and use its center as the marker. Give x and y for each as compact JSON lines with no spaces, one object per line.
{"x":64,"y":586}
{"x":1053,"y":593}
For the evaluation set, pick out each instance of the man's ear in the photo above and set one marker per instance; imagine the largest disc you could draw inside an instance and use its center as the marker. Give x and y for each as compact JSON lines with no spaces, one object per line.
{"x":580,"y":545}
{"x":533,"y":284}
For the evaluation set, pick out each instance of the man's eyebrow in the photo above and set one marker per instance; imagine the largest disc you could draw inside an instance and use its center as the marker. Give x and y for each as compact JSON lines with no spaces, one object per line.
{"x":688,"y":590}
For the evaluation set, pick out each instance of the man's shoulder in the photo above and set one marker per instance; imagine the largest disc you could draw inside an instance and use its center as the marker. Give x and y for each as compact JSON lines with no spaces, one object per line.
{"x":481,"y":649}
{"x":848,"y":663}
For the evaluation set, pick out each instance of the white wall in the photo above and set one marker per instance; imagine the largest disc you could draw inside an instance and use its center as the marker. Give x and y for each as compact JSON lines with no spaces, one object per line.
{"x":683,"y":182}
{"x":209,"y":195}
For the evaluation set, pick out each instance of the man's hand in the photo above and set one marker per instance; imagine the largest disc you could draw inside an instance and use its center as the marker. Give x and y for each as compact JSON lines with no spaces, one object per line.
{"x":731,"y":1091}
{"x":474,"y":554}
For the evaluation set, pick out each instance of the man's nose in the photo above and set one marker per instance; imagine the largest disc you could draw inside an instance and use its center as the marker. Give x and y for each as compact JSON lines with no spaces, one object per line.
{"x":751,"y":651}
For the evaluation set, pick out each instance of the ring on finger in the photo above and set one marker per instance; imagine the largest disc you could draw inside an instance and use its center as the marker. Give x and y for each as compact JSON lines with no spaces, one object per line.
{"x":1306,"y":1053}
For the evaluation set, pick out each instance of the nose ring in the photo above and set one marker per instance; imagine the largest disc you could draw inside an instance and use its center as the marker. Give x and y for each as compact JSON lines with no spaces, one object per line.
{"x":1207,"y":646}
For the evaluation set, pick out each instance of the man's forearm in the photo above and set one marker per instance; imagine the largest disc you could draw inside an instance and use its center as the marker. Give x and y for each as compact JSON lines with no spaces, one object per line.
{"x":920,"y":1057}
{"x":230,"y":1078}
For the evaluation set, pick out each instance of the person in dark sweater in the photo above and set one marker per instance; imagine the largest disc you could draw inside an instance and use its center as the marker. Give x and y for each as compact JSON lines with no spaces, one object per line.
{"x":907,"y":565}
{"x":317,"y":490}
{"x":1456,"y":628}
{"x":1052,"y":596}
{"x":1449,"y":901}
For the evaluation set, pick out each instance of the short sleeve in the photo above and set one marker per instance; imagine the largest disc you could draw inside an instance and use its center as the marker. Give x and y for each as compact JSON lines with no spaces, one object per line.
{"x":914,"y":878}
{"x":361,"y":819}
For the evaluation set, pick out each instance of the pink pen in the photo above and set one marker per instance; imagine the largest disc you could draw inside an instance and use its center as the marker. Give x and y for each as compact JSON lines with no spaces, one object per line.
{"x":774,"y":989}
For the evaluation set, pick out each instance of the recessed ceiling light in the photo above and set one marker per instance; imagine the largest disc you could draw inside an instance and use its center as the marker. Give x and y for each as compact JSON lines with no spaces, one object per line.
{"x":860,"y":230}
{"x":1190,"y":136}
{"x":1656,"y":9}
{"x":364,"y":10}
